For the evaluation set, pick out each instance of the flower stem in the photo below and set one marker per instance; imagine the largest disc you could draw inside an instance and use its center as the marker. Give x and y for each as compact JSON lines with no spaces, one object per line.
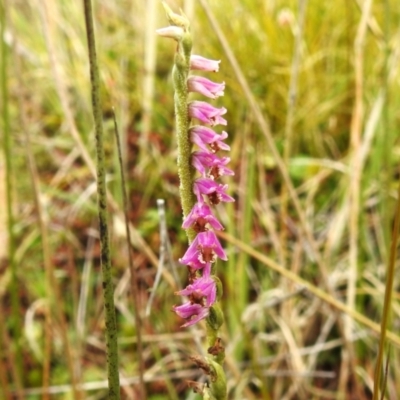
{"x":185,"y":169}
{"x":111,"y":326}
{"x":204,"y":246}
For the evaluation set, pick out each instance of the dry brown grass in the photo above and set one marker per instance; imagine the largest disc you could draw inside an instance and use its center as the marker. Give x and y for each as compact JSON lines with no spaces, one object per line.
{"x":323,"y":211}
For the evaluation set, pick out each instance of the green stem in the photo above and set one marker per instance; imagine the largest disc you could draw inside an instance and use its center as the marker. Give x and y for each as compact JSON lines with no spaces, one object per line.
{"x":185,"y":169}
{"x":108,"y":290}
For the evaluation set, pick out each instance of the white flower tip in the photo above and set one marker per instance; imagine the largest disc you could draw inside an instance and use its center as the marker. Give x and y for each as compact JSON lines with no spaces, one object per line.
{"x":173,"y":32}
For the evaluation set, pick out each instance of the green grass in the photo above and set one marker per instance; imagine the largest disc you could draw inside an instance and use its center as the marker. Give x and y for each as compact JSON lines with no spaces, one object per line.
{"x":282,"y":342}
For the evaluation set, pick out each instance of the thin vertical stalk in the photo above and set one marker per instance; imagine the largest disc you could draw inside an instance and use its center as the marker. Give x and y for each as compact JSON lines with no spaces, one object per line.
{"x":348,"y":359}
{"x":108,"y":289}
{"x":388,"y":298}
{"x":14,"y":287}
{"x":134,"y":277}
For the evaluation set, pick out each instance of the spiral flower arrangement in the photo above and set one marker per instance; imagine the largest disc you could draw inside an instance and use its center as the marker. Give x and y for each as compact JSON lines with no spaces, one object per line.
{"x":199,"y":193}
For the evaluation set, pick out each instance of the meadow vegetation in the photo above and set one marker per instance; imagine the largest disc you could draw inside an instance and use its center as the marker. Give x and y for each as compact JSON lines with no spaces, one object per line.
{"x":312,"y":90}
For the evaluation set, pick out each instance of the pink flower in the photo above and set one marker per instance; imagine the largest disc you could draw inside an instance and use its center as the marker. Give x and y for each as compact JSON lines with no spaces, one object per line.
{"x":203,"y":64}
{"x":206,"y":113}
{"x":205,"y":87}
{"x":202,"y":291}
{"x":202,"y":295}
{"x":199,"y":217}
{"x":205,"y":248}
{"x":203,"y":136}
{"x":217,"y":166}
{"x":193,"y":312}
{"x":216,"y":192}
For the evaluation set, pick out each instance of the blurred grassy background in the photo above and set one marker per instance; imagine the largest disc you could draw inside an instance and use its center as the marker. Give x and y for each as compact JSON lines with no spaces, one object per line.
{"x":312,"y":89}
